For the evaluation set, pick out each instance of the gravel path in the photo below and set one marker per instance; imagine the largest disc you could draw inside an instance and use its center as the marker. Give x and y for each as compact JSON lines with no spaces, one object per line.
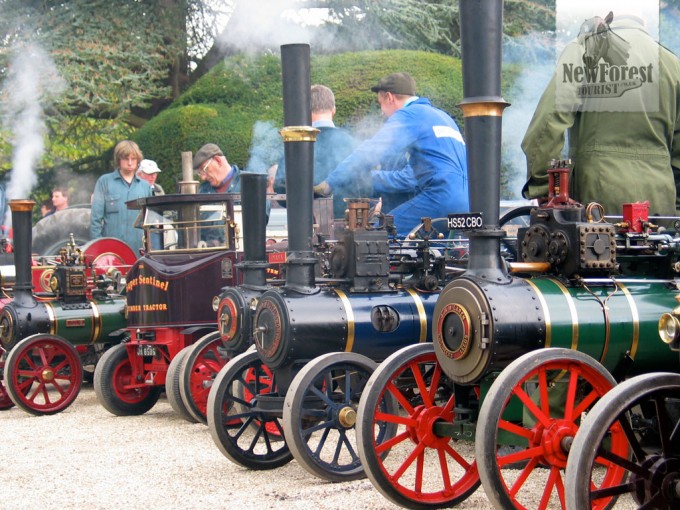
{"x":86,"y":458}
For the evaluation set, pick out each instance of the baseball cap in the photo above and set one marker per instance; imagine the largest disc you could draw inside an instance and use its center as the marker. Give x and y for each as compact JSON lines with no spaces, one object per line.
{"x":206,"y":152}
{"x":397,"y":83}
{"x":149,"y":166}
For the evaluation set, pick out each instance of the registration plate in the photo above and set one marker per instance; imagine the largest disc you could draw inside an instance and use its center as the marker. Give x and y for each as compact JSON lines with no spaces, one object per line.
{"x":146,"y":350}
{"x":465,"y":221}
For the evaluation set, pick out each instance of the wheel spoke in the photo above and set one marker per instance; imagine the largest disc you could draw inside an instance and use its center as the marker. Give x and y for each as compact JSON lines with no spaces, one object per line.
{"x":455,"y":456}
{"x":523,"y":477}
{"x":513,"y":458}
{"x":389,"y":444}
{"x":531,"y":405}
{"x":322,"y":442}
{"x":422,"y":384}
{"x":419,"y":448}
{"x":401,"y":398}
{"x":571,"y":394}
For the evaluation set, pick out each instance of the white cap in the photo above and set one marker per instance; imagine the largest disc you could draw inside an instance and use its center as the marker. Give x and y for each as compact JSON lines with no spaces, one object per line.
{"x":149,"y":166}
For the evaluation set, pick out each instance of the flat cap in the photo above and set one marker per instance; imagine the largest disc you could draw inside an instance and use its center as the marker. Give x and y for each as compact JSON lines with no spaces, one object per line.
{"x":149,"y":166}
{"x":205,"y":153}
{"x":397,"y":83}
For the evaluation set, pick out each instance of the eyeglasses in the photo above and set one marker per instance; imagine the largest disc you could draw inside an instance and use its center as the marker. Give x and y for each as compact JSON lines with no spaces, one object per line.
{"x":202,"y":172}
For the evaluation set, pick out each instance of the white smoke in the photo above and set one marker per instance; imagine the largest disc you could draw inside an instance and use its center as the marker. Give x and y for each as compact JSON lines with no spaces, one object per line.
{"x":265,"y":24}
{"x":32,"y":79}
{"x":535,"y":53}
{"x":266,"y":147}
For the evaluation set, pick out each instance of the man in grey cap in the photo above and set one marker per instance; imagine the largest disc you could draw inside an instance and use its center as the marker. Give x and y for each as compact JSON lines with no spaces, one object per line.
{"x":419,"y":149}
{"x":215,"y":172}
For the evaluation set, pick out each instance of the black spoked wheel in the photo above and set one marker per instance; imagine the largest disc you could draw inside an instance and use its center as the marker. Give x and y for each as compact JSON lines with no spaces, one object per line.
{"x":403,"y":454}
{"x":43,"y":374}
{"x":629,"y":447}
{"x":243,"y":431}
{"x":527,"y":422}
{"x":319,"y":415}
{"x":117,"y":388}
{"x":203,"y":362}
{"x":173,"y":382}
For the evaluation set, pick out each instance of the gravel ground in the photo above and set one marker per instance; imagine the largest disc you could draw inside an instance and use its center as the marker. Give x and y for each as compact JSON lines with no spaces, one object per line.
{"x":85,"y":457}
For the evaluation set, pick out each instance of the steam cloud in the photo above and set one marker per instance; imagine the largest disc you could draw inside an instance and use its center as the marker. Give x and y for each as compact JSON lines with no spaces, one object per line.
{"x":266,"y":148}
{"x":32,"y":78}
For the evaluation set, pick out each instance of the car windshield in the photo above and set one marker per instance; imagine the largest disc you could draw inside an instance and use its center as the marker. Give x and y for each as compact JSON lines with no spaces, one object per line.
{"x":187,"y":226}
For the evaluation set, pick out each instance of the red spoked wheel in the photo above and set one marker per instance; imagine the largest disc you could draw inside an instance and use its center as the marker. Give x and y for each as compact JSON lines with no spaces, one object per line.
{"x":107,"y":252}
{"x":405,"y":457}
{"x":5,"y":400}
{"x":628,"y":447}
{"x":43,"y":374}
{"x":201,"y":365}
{"x":528,"y":421}
{"x":248,"y":433}
{"x":117,"y":388}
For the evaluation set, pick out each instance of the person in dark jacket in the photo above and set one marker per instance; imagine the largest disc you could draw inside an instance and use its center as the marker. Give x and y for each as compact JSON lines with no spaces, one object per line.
{"x":215,"y":172}
{"x":332,"y":145}
{"x":434,"y":163}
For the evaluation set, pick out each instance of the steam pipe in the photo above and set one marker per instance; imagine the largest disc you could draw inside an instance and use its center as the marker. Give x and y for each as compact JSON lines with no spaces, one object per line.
{"x":23,"y":242}
{"x":299,"y":138}
{"x":254,"y":213}
{"x":481,"y":24}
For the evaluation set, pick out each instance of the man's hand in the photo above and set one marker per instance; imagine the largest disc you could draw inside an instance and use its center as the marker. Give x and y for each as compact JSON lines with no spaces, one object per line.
{"x":322,"y":189}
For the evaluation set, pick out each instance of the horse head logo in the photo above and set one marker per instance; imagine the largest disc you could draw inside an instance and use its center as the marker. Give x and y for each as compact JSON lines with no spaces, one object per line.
{"x":600,"y":43}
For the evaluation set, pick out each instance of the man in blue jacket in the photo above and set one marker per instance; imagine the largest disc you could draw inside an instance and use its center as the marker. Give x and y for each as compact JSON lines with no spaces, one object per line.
{"x":435,"y":165}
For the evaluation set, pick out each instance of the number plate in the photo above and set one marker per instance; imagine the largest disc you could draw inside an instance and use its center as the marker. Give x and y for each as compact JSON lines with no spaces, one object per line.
{"x":465,"y":221}
{"x":146,"y":350}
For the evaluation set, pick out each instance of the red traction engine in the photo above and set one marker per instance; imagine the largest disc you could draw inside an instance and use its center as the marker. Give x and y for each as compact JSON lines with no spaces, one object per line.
{"x":51,"y":340}
{"x":190,"y":252}
{"x":521,"y":351}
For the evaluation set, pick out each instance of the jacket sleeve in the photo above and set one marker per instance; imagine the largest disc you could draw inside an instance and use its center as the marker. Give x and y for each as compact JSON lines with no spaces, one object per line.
{"x":675,"y":158}
{"x":394,"y":181}
{"x":394,"y":136}
{"x":97,"y":210}
{"x":543,"y":141}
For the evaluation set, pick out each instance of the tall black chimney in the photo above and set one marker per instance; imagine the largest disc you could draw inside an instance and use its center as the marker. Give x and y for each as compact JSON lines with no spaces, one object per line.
{"x":254,"y":214}
{"x":23,"y":242}
{"x":299,"y":138}
{"x":481,"y":26}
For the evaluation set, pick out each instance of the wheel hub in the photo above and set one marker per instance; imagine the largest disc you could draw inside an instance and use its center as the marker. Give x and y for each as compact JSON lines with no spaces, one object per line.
{"x":425,"y":420}
{"x":555,"y":441}
{"x":663,"y":475}
{"x":347,"y":417}
{"x":47,"y":375}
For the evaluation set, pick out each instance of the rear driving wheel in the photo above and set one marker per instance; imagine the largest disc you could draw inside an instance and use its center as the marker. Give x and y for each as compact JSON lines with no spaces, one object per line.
{"x":203,"y":361}
{"x":402,"y":450}
{"x":246,"y":432}
{"x":528,"y":421}
{"x":43,"y":374}
{"x":118,"y":389}
{"x":319,"y":415}
{"x":172,"y":384}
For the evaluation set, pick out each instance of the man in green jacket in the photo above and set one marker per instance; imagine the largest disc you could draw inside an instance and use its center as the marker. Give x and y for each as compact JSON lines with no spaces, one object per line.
{"x":616,"y":92}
